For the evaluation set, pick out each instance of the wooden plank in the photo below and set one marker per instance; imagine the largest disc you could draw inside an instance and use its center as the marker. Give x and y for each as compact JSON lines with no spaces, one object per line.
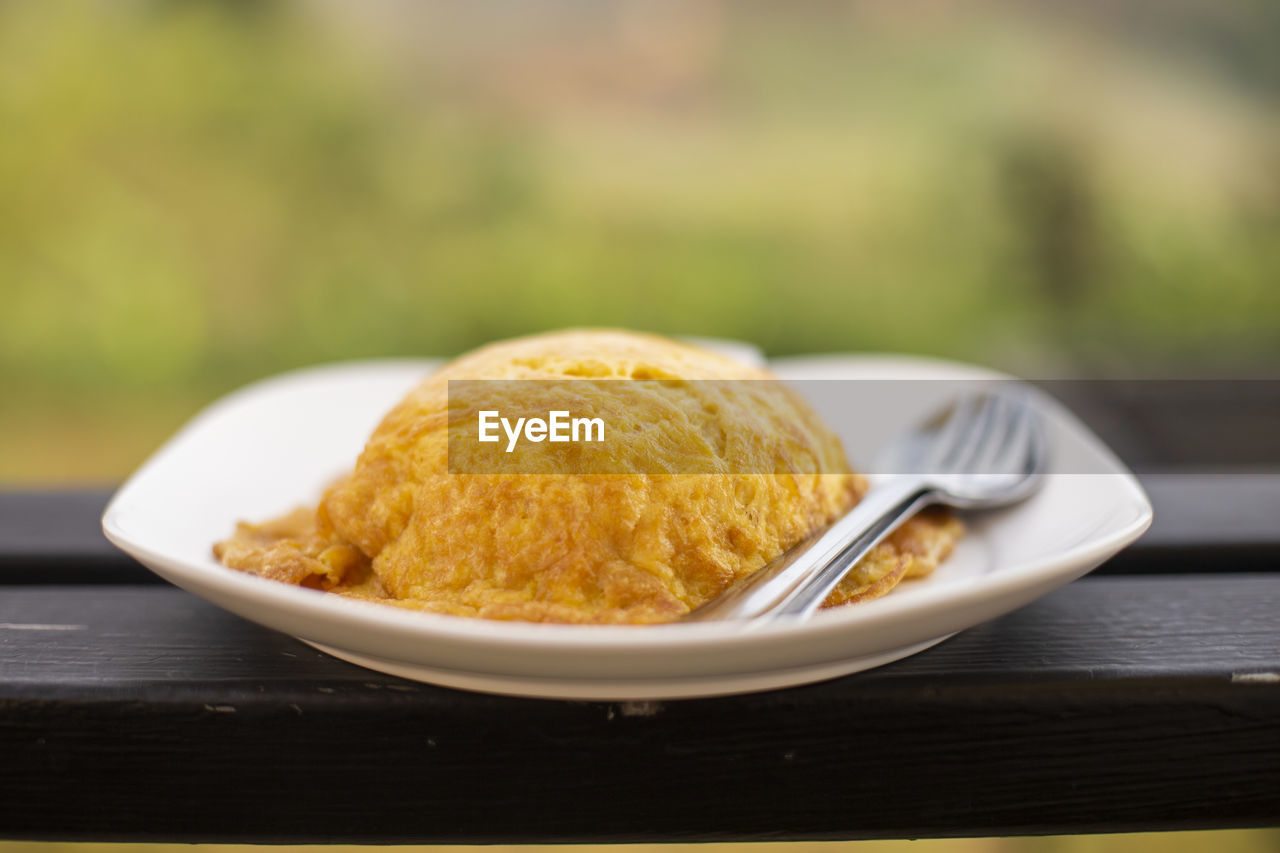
{"x":55,"y":536}
{"x":1112,"y":704}
{"x":1216,"y":425}
{"x":1203,"y":523}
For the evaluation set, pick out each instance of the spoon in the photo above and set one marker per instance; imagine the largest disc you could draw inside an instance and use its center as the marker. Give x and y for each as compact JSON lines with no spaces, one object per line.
{"x":985,"y":450}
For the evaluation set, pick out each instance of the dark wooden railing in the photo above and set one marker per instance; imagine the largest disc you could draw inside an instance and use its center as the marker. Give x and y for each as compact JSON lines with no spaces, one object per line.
{"x":1146,"y":696}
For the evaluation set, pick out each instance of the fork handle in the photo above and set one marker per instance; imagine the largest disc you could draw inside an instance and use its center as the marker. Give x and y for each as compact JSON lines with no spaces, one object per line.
{"x":798,"y":582}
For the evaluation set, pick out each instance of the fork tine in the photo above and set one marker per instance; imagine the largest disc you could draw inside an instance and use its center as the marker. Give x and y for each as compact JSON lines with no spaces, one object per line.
{"x":970,"y":435}
{"x":953,"y":431}
{"x":1038,"y":441}
{"x":995,"y":438}
{"x":1016,"y":439}
{"x":1032,"y":441}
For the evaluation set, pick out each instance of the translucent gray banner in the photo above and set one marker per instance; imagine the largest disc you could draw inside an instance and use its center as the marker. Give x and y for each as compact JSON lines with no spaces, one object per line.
{"x":702,"y":426}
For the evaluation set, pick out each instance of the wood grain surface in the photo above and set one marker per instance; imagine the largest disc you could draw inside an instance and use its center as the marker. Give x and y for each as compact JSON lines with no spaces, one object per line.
{"x":1113,"y":704}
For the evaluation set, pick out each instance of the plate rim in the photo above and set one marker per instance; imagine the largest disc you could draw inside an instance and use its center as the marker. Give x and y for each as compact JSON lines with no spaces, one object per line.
{"x":612,"y":640}
{"x":629,"y":690}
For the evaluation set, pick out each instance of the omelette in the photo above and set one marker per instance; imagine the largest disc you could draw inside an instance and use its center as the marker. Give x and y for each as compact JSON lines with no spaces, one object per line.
{"x":708,"y":479}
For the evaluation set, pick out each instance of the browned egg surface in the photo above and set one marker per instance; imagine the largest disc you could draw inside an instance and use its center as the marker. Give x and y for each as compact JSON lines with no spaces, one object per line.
{"x":592,"y":548}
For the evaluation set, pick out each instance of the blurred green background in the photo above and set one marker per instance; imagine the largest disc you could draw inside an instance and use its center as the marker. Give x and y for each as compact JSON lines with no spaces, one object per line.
{"x":197,"y":194}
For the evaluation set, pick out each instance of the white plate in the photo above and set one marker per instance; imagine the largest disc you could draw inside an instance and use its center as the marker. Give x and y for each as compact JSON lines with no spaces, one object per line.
{"x":276,"y":444}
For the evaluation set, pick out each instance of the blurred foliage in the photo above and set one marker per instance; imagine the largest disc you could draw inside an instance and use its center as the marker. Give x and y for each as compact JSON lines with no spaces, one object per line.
{"x":196,"y":194}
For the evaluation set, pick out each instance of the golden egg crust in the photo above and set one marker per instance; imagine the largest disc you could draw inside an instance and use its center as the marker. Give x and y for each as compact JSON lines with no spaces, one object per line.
{"x":586,"y":548}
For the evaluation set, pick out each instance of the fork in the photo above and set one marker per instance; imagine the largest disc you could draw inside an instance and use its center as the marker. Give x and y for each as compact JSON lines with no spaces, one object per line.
{"x":985,"y":450}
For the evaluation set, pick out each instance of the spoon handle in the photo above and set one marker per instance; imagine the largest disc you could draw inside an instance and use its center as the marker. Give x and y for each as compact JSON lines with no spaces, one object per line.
{"x":798,"y":582}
